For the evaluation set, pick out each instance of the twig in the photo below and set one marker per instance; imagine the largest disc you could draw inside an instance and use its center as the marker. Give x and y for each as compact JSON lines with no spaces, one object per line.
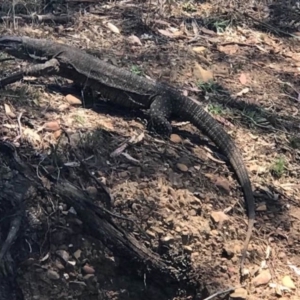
{"x":222,"y":292}
{"x":14,"y":14}
{"x":19,"y":124}
{"x":245,"y":44}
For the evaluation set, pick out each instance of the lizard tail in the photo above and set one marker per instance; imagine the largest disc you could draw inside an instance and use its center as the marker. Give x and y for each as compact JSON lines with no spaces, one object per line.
{"x":192,"y":111}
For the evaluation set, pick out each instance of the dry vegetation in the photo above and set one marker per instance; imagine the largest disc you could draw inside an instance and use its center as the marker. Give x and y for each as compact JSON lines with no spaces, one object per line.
{"x":243,"y":62}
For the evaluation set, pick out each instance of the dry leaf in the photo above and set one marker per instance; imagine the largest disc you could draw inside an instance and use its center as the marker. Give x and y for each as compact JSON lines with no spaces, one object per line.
{"x":207,"y":31}
{"x":45,"y":181}
{"x":229,"y":49}
{"x":113,"y":28}
{"x":243,"y":92}
{"x":136,"y":138}
{"x":8,"y":111}
{"x":166,"y":33}
{"x":199,"y":49}
{"x":243,"y":78}
{"x":202,"y":74}
{"x":31,"y":136}
{"x":223,"y":121}
{"x":294,"y":268}
{"x":288,"y":282}
{"x":175,"y":34}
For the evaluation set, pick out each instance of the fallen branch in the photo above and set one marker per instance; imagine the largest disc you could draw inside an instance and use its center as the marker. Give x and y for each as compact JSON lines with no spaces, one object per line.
{"x":62,"y":19}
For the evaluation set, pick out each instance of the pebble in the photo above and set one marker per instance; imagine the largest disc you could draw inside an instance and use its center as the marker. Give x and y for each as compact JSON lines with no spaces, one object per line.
{"x":53,"y":275}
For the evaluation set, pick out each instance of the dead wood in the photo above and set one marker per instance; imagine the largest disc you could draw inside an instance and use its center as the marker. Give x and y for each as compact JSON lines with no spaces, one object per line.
{"x":97,"y":222}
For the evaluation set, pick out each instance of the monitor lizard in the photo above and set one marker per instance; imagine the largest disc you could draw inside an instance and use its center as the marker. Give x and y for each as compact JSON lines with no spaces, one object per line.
{"x":128,"y":89}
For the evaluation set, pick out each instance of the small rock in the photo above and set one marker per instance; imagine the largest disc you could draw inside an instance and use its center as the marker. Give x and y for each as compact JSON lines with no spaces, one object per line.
{"x":239,"y":293}
{"x":263,"y":278}
{"x":91,"y":281}
{"x":175,"y":138}
{"x":70,"y":266}
{"x":223,"y":183}
{"x":182,"y":167}
{"x":192,"y":212}
{"x":52,"y":126}
{"x":188,"y":249}
{"x":59,"y":265}
{"x":73,"y":100}
{"x":77,"y":254}
{"x":77,"y":285}
{"x":288,"y":282}
{"x":92,"y":191}
{"x":168,"y":239}
{"x":134,"y":40}
{"x":262,"y":207}
{"x":64,"y":255}
{"x":89,"y":277}
{"x":151,"y":233}
{"x":219,"y":216}
{"x":53,"y":275}
{"x":157,"y":230}
{"x":87,"y":269}
{"x":281,"y":255}
{"x":72,"y":263}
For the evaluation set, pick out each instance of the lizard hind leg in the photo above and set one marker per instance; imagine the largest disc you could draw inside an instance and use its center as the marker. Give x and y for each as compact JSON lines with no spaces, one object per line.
{"x":160,"y":111}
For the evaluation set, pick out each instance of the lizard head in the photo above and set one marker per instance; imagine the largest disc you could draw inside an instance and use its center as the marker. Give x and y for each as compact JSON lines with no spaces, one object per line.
{"x":9,"y":42}
{"x":28,"y":48}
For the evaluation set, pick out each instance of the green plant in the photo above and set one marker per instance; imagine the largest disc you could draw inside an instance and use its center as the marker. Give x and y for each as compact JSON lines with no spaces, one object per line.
{"x":209,"y":87}
{"x":220,"y":25}
{"x":215,"y":109}
{"x":277,"y":168}
{"x":189,"y":7}
{"x":136,"y":70}
{"x":79,"y":119}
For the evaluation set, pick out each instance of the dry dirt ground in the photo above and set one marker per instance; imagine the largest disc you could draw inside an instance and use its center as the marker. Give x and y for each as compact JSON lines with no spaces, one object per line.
{"x":180,"y":192}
